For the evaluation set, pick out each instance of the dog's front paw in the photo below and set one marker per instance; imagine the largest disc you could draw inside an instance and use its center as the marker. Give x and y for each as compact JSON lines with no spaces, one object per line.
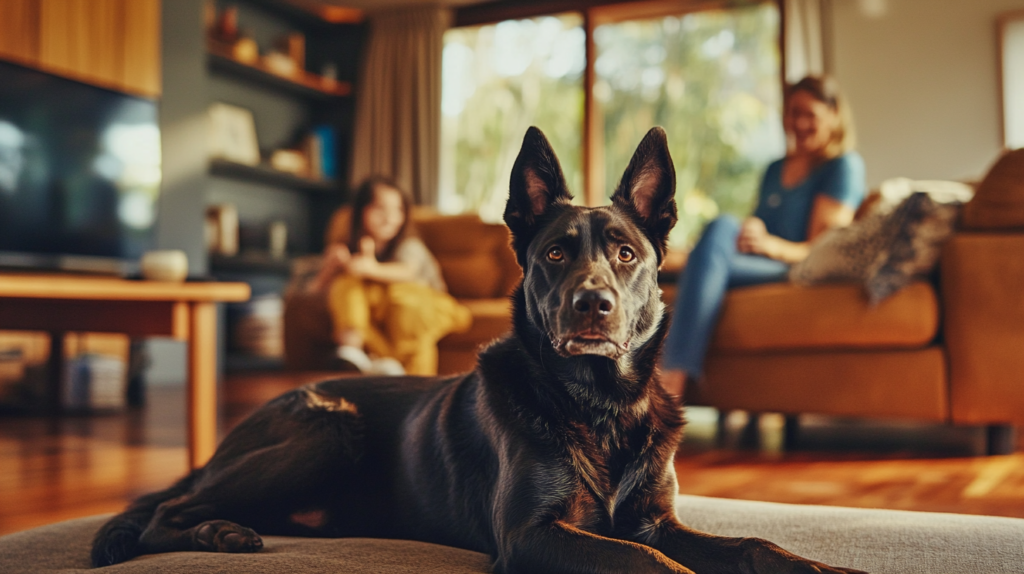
{"x":763,"y":557}
{"x":225,"y":536}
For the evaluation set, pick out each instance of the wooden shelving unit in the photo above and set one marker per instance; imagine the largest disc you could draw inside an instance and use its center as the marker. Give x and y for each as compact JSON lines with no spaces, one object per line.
{"x":286,"y":108}
{"x":269,"y":176}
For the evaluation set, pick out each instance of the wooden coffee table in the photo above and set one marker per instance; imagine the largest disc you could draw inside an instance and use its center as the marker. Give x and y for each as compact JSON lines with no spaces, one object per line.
{"x":185,"y":311}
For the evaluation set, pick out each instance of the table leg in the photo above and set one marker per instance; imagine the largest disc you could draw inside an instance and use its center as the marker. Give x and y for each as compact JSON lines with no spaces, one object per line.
{"x":55,"y":374}
{"x":202,"y":383}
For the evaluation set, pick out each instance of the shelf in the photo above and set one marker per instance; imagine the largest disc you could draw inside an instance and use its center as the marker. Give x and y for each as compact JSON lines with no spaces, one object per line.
{"x":250,"y":263}
{"x":270,"y":176}
{"x":304,"y":84}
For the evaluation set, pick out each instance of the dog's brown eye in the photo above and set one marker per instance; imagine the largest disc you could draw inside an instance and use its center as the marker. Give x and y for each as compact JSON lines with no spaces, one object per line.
{"x":626,"y":255}
{"x":555,"y":254}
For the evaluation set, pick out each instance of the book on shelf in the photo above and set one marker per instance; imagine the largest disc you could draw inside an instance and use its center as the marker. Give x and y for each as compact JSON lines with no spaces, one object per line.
{"x":321,"y":148}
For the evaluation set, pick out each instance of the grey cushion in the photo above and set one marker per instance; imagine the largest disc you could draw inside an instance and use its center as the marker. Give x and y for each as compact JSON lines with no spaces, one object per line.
{"x":879,"y":541}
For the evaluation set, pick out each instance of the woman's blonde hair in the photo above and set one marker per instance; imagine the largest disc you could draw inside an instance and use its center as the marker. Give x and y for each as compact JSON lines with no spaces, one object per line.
{"x":825,"y":89}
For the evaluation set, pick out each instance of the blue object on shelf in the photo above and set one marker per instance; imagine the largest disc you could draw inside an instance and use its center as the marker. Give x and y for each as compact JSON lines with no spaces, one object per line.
{"x":328,"y":150}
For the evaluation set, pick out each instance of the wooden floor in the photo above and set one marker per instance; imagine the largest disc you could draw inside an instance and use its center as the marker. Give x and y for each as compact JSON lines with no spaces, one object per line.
{"x":54,"y":469}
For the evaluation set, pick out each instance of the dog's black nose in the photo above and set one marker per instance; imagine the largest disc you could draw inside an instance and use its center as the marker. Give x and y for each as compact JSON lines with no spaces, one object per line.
{"x":596,"y":302}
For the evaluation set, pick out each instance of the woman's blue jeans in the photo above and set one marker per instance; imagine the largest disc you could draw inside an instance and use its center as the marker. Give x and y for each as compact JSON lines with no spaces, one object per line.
{"x":713,"y":267}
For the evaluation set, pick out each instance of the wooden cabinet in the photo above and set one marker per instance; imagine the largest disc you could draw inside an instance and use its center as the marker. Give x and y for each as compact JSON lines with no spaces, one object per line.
{"x":19,"y":30}
{"x":110,"y":43}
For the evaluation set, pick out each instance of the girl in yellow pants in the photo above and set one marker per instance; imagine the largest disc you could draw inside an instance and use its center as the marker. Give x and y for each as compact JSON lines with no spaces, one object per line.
{"x":385,"y":291}
{"x":399,"y":320}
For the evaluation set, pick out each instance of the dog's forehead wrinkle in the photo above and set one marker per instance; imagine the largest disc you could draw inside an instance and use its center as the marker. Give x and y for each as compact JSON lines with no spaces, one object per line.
{"x":617,"y":226}
{"x":565,"y":229}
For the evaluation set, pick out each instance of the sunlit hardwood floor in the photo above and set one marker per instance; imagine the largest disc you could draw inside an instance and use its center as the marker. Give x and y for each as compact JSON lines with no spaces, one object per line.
{"x":54,"y":469}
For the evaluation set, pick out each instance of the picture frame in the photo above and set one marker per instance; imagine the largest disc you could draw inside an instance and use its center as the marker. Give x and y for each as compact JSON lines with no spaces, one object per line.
{"x":233,"y":134}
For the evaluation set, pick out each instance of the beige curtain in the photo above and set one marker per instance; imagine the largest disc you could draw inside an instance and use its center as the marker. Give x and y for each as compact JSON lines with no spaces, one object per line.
{"x":398,"y":100}
{"x":804,"y":42}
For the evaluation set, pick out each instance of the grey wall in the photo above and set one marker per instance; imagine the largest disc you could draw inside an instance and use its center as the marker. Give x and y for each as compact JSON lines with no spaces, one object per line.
{"x":183,"y":131}
{"x":182,"y":136}
{"x":922,"y":78}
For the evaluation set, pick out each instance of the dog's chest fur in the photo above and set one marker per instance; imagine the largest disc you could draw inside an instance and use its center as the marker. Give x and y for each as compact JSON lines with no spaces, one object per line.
{"x":605,"y":450}
{"x":609,"y":461}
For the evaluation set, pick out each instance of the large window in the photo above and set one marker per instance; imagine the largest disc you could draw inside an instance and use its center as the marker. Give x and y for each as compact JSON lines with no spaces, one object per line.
{"x":711,"y":78}
{"x":497,"y":81}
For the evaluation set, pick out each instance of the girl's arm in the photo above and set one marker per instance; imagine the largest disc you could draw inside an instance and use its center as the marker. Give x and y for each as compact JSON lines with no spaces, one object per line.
{"x":391,"y":272}
{"x":335,"y":261}
{"x":365,"y":264}
{"x":826,"y":214}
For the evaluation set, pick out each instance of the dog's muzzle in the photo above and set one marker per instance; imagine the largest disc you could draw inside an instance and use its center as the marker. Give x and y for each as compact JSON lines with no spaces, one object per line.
{"x":589,"y":333}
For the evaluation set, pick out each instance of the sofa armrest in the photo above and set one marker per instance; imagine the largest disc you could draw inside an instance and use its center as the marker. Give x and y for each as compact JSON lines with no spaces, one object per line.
{"x":983,"y":299}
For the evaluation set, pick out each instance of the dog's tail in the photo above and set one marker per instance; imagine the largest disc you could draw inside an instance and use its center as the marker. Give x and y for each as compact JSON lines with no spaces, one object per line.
{"x":118,"y":539}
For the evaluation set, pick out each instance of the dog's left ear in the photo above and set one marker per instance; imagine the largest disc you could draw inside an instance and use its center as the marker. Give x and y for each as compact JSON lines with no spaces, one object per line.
{"x":648,"y":189}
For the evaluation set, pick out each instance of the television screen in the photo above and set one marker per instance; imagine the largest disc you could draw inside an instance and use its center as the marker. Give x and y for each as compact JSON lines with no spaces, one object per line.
{"x":79,"y":173}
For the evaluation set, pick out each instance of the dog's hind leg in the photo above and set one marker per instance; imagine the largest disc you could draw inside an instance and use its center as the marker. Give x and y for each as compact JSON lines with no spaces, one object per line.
{"x":300,"y":446}
{"x":118,"y":539}
{"x":162,"y":535}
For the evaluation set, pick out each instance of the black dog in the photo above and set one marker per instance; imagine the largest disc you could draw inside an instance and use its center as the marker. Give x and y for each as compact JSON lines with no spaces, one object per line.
{"x":554,"y":455}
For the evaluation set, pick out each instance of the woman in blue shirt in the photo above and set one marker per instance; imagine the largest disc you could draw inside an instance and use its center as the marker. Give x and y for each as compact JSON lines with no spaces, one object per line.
{"x":817,"y":186}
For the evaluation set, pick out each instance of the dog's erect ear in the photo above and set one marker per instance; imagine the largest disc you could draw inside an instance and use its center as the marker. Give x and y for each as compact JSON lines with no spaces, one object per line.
{"x":648,"y":189}
{"x":537,"y":183}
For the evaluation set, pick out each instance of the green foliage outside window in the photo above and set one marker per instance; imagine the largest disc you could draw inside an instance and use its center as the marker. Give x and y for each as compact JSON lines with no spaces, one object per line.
{"x":499,"y":80}
{"x":711,"y":79}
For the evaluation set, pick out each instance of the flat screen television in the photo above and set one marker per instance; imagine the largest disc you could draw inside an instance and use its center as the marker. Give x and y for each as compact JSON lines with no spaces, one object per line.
{"x":79,"y":174}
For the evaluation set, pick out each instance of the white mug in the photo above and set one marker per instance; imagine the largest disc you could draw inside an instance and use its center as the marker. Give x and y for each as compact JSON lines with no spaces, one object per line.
{"x":165,"y":265}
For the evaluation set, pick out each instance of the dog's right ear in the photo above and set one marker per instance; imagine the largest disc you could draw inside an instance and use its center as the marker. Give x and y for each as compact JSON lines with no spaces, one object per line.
{"x":536,"y":185}
{"x":648,"y":188}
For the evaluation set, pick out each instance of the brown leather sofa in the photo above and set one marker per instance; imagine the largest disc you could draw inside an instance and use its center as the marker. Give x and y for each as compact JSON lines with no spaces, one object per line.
{"x":478,"y":265}
{"x":951,"y":352}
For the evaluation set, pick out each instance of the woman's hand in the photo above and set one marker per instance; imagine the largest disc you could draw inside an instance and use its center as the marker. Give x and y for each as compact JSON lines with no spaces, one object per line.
{"x":754,"y":237}
{"x":755,"y":240}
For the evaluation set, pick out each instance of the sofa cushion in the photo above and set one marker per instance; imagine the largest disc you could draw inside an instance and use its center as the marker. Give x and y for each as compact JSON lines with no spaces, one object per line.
{"x":474,"y":256}
{"x":878,"y":541}
{"x":782,"y":316}
{"x":492,"y":318}
{"x":999,"y":201}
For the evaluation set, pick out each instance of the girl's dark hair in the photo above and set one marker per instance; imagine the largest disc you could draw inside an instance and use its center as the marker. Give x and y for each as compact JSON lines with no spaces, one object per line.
{"x":825,"y":89}
{"x":364,"y":196}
